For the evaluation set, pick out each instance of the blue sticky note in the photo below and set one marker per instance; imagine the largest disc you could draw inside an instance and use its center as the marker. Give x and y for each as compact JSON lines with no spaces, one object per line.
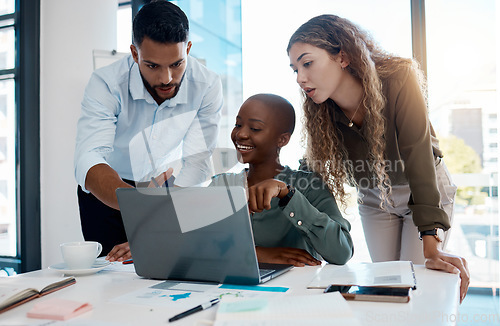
{"x":176,"y":297}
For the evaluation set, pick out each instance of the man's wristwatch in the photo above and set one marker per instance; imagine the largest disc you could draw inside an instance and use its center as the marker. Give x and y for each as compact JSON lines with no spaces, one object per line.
{"x":284,"y":201}
{"x":437,"y":233}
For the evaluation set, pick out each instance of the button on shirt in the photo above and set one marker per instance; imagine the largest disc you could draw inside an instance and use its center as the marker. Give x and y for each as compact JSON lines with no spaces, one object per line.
{"x":122,"y":125}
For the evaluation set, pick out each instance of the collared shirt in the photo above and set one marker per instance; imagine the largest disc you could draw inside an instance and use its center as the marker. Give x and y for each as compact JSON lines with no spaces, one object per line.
{"x":122,"y":125}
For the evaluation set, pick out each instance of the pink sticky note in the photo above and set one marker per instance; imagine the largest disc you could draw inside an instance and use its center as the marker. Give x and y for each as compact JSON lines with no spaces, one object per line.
{"x":58,"y":309}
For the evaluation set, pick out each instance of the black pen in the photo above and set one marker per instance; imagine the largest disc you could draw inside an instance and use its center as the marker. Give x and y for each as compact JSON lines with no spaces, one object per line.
{"x":191,"y":311}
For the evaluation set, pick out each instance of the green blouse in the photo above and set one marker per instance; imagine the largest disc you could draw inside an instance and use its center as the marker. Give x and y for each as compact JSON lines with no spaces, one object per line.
{"x":311,"y":220}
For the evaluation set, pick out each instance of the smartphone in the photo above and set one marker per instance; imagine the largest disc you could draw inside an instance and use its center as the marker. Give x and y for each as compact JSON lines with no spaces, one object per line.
{"x":372,"y":293}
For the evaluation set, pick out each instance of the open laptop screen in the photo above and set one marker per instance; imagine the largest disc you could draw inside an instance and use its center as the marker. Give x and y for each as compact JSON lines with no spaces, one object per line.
{"x":198,"y":233}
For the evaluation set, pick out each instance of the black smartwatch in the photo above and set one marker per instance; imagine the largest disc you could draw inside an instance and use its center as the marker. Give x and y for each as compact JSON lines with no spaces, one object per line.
{"x":436,"y":233}
{"x":284,"y":201}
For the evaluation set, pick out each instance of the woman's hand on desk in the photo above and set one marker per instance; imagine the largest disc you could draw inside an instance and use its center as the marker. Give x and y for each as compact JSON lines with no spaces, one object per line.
{"x":293,"y":256}
{"x":119,"y":252}
{"x":439,"y":260}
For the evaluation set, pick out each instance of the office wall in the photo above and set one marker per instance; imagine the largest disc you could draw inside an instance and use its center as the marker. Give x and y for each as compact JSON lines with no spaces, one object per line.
{"x":70,"y":30}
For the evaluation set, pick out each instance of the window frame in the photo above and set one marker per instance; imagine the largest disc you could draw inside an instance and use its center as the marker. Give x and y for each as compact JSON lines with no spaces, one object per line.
{"x":418,"y":39}
{"x":27,"y":94}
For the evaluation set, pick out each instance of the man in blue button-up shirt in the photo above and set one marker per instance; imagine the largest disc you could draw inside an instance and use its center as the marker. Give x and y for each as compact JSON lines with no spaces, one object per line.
{"x":139,"y":116}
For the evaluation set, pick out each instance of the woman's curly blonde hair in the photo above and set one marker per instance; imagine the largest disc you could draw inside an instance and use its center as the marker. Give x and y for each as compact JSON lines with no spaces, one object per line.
{"x":325,"y":151}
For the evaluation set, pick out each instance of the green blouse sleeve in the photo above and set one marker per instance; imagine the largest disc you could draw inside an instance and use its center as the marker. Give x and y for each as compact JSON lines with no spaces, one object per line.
{"x":314,"y":212}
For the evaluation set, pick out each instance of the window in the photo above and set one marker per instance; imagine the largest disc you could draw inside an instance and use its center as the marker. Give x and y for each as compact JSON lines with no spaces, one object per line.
{"x":8,"y":201}
{"x":462,"y":104}
{"x":8,"y":121}
{"x":124,"y":27}
{"x":19,"y":136}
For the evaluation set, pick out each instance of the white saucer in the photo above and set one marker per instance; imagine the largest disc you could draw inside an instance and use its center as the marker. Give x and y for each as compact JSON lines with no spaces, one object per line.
{"x":96,"y":267}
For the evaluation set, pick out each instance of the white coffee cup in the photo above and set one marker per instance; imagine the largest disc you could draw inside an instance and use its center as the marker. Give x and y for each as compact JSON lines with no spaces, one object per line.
{"x":80,"y":255}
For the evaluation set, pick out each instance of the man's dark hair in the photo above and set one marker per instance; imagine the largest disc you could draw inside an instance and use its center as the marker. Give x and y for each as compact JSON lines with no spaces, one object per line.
{"x":162,"y":22}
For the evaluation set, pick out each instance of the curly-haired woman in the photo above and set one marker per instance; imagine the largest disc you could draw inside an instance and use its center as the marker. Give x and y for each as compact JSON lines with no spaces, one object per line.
{"x":366,"y":124}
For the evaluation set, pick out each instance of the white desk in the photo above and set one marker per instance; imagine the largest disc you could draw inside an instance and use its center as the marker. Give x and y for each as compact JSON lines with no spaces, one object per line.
{"x":435,"y":302}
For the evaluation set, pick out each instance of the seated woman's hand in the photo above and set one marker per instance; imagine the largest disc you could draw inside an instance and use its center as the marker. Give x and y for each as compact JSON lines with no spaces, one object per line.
{"x":260,"y":194}
{"x":119,"y":252}
{"x":293,"y":256}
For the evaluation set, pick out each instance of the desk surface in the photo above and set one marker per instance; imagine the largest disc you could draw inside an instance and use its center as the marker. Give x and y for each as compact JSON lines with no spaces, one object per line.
{"x":435,"y":302}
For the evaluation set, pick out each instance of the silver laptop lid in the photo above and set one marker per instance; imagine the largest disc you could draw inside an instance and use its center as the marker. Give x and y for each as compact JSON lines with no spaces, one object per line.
{"x":197,"y":234}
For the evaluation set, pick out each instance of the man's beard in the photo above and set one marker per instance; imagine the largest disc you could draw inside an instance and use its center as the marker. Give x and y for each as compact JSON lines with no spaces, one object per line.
{"x":152,"y":89}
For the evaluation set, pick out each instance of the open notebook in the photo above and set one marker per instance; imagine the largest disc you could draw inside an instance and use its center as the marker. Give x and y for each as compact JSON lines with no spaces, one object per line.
{"x":15,"y":291}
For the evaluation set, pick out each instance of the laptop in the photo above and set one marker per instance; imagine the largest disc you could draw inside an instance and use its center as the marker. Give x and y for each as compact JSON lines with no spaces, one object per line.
{"x":193,"y":234}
